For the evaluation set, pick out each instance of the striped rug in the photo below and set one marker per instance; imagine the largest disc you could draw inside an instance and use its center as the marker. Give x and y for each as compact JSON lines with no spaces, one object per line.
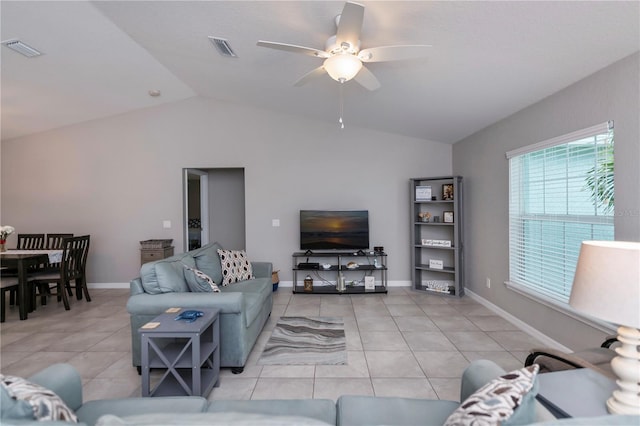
{"x":304,"y":341}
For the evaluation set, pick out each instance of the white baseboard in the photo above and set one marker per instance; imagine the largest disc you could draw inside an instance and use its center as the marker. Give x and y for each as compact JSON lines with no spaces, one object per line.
{"x":546,"y":340}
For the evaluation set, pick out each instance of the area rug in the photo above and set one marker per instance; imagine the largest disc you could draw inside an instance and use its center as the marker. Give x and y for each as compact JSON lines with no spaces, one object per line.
{"x":304,"y":341}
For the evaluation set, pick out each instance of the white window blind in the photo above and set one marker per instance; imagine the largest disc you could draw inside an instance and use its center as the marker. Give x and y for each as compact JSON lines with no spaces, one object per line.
{"x":560,"y":194}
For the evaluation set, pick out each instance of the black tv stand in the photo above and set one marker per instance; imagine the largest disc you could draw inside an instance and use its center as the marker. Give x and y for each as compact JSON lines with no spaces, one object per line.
{"x":353,"y":265}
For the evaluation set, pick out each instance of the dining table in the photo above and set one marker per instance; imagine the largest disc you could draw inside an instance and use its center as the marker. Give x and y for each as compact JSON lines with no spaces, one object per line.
{"x":22,"y":260}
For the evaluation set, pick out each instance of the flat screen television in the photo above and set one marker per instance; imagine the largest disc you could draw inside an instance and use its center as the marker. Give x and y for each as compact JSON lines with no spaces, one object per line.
{"x":334,"y":229}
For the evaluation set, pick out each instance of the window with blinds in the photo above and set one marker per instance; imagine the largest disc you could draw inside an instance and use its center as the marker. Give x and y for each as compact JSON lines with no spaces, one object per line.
{"x":560,"y":194}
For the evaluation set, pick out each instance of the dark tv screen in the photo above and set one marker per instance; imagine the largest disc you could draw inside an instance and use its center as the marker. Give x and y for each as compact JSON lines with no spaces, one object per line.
{"x":334,"y":229}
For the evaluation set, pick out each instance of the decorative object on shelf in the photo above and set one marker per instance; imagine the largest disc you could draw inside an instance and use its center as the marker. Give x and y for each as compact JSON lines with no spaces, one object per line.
{"x":433,"y":198}
{"x":439,"y":286}
{"x":436,"y":219}
{"x":423,"y":193}
{"x":340,"y":285}
{"x":369,"y":282}
{"x":436,"y":264}
{"x":5,"y":231}
{"x":326,"y":266}
{"x":308,"y":284}
{"x":352,"y":265}
{"x":378,"y":249}
{"x":424,"y":216}
{"x":436,"y":243}
{"x":447,"y":217}
{"x":606,"y":286}
{"x":447,"y":192}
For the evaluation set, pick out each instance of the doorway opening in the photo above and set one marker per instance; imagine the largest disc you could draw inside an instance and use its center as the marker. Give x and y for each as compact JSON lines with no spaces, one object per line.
{"x":214,"y":207}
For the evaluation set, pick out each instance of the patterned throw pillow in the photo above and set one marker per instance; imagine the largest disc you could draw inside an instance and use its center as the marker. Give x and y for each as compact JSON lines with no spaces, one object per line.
{"x":495,"y":402}
{"x":45,"y":403}
{"x":198,"y":281}
{"x":235,"y":266}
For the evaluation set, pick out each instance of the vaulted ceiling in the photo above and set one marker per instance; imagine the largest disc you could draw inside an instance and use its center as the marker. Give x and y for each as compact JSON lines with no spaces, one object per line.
{"x":487,"y":60}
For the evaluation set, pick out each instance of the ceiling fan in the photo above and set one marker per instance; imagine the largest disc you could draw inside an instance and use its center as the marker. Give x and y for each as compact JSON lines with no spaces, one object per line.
{"x":342,"y":55}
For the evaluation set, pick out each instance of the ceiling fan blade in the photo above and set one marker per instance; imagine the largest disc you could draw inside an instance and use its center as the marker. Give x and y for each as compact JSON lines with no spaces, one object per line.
{"x":393,"y":53}
{"x":350,"y":24}
{"x":294,"y":48}
{"x":367,"y":79}
{"x":309,"y":76}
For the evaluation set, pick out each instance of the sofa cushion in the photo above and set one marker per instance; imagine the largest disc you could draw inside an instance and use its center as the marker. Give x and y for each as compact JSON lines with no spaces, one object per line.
{"x":208,"y":261}
{"x":45,"y":404}
{"x":235,"y":266}
{"x":320,"y":409}
{"x":499,"y":400}
{"x":255,"y":293}
{"x":91,"y":411}
{"x":199,"y":282}
{"x":209,"y":419}
{"x":167,"y":275}
{"x":356,"y":410}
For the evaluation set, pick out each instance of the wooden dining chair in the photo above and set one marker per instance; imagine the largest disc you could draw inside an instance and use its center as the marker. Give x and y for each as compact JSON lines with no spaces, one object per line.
{"x":30,"y":242}
{"x":54,"y":241}
{"x":72,"y":268}
{"x":80,"y":279}
{"x":6,"y":284}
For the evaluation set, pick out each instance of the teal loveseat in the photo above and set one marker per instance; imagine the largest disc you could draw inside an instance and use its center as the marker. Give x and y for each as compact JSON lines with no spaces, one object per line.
{"x":244,"y":306}
{"x":349,"y":410}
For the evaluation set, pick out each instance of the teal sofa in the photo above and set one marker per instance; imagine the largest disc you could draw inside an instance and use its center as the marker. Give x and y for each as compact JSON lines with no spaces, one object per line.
{"x":349,"y":410}
{"x":244,"y":306}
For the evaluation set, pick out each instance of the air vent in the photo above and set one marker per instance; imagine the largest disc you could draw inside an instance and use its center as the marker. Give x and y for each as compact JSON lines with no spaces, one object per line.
{"x":22,"y":48}
{"x":223,"y":47}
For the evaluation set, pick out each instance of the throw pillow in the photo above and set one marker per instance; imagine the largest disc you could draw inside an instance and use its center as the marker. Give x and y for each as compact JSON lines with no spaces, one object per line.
{"x":495,"y":402}
{"x":46,"y":404}
{"x":235,"y":266}
{"x":198,"y":281}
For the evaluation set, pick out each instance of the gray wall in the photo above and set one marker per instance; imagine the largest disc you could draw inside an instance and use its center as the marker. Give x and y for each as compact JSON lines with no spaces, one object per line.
{"x":611,"y":94}
{"x":118,"y":178}
{"x":226,"y":208}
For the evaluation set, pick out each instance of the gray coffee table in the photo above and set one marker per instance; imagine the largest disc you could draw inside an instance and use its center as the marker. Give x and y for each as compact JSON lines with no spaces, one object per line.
{"x":187,"y":354}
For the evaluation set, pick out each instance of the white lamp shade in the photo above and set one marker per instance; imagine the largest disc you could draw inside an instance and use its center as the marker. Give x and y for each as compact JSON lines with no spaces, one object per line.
{"x":607,"y":282}
{"x":342,"y":66}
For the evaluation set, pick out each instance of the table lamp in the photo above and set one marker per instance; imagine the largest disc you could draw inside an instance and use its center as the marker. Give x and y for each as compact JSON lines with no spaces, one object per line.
{"x":607,"y":286}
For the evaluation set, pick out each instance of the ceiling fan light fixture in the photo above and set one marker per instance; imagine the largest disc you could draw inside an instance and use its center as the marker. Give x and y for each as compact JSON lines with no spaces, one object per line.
{"x":342,"y":66}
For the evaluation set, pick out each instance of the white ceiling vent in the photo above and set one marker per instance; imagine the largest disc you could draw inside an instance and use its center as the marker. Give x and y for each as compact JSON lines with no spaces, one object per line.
{"x":22,"y":48}
{"x":223,"y":47}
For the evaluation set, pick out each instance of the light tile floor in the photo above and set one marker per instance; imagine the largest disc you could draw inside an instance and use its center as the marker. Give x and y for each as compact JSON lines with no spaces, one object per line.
{"x":403,"y":343}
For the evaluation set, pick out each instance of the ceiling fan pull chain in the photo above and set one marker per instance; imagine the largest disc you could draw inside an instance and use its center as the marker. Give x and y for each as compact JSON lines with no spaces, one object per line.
{"x":341,"y":106}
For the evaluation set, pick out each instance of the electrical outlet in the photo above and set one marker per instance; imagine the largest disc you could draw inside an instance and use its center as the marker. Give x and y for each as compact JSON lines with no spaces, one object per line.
{"x":488,"y":283}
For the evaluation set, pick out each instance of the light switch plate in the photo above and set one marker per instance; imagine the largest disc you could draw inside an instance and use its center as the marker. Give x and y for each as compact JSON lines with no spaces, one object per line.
{"x":166,"y":224}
